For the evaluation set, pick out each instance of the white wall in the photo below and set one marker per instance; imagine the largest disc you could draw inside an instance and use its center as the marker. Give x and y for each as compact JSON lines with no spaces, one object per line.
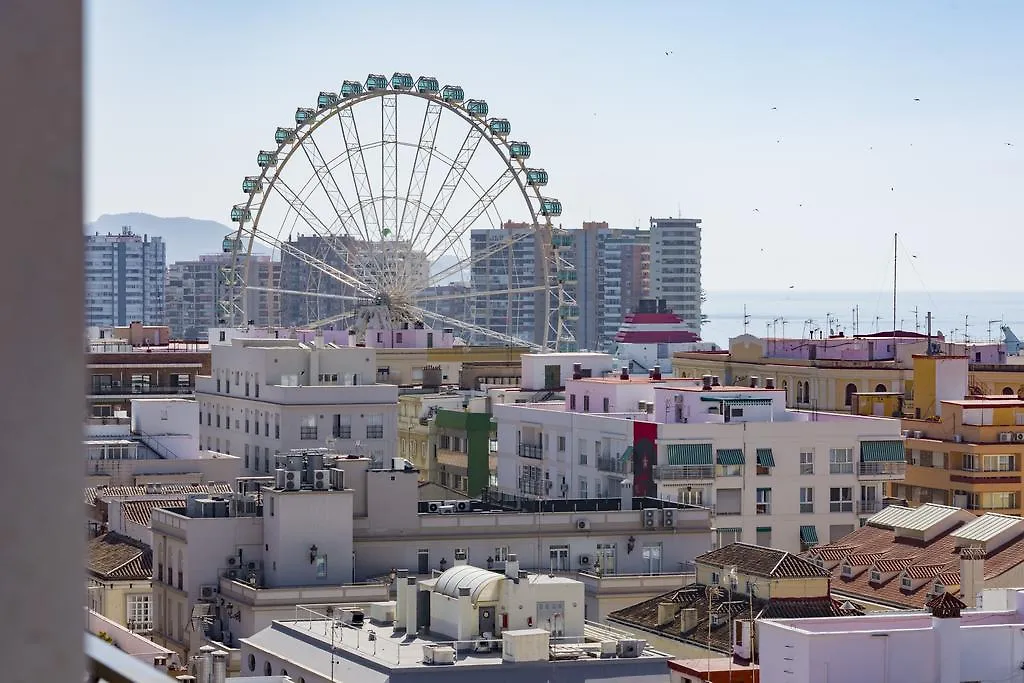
{"x":534,"y":363}
{"x":294,"y":521}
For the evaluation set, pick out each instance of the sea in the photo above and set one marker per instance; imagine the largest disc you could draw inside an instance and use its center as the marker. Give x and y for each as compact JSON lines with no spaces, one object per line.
{"x":974,"y":316}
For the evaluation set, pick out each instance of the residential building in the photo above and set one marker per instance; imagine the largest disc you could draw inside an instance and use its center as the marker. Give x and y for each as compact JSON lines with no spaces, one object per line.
{"x":675,"y":267}
{"x":268,"y":549}
{"x":132,"y":643}
{"x":453,"y":300}
{"x":118,"y":372}
{"x":466,"y":624}
{"x":124,"y":279}
{"x":196,"y":290}
{"x":946,"y":644}
{"x":266,"y":396}
{"x":612,"y":275}
{"x":416,"y":412}
{"x":962,"y":451}
{"x":464,"y":448}
{"x":127,"y":510}
{"x":120,"y":580}
{"x":773,"y":476}
{"x":713,"y":670}
{"x":902,"y":557}
{"x":826,"y":374}
{"x":735,"y":587}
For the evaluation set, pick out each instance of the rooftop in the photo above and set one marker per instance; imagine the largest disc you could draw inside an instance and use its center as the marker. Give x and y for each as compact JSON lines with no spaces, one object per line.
{"x":116,"y":557}
{"x":166,"y":490}
{"x":760,"y":561}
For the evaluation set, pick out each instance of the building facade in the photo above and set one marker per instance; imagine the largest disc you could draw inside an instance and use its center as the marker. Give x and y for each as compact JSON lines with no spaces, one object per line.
{"x":268,"y":396}
{"x":675,"y":267}
{"x":774,"y":477}
{"x":502,"y":260}
{"x":118,"y":373}
{"x":124,"y":279}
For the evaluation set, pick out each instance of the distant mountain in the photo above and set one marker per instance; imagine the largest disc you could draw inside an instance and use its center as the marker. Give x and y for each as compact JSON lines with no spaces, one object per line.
{"x":186,"y":238}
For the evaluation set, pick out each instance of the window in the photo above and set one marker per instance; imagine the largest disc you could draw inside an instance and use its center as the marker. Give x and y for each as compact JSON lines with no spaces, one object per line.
{"x":559,"y":558}
{"x":847,"y":571}
{"x":876,"y":576}
{"x":851,"y":389}
{"x":218,"y":419}
{"x":840,"y":499}
{"x":583,"y":452}
{"x":586,"y":403}
{"x":277,"y":426}
{"x":572,"y":401}
{"x":501,"y":554}
{"x":561,"y":444}
{"x":906,"y":583}
{"x":583,"y":487}
{"x":267,"y":669}
{"x":321,"y":566}
{"x":246,"y":425}
{"x":140,"y":612}
{"x":307,"y":429}
{"x":651,"y":555}
{"x":840,"y":461}
{"x":605,"y":404}
{"x":764,"y":501}
{"x":375,"y":426}
{"x":806,"y":461}
{"x":342,"y":427}
{"x":806,"y":500}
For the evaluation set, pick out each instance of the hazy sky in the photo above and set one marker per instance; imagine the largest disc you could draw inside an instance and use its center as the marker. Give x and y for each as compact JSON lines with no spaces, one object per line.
{"x":760,"y":105}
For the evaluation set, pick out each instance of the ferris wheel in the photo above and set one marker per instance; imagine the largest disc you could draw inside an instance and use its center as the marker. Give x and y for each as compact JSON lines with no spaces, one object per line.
{"x":398,"y":203}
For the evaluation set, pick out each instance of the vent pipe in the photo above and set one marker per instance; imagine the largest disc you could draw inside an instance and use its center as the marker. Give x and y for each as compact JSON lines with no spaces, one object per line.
{"x":706,"y":382}
{"x":512,"y":566}
{"x":769,"y":382}
{"x":715,"y":382}
{"x":577,"y":370}
{"x":220,"y":667}
{"x":754,"y":381}
{"x":624,"y":375}
{"x":656,"y":372}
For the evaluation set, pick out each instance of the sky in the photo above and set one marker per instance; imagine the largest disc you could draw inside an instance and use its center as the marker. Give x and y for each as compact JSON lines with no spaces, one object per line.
{"x":804,"y":134}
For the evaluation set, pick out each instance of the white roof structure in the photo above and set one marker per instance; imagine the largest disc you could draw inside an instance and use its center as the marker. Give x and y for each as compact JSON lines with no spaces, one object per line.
{"x":987,"y":527}
{"x":912,"y":519}
{"x":891,"y":517}
{"x":483,"y":584}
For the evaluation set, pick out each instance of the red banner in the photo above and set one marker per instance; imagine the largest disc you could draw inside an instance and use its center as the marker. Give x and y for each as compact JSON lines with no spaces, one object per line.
{"x":645,"y":455}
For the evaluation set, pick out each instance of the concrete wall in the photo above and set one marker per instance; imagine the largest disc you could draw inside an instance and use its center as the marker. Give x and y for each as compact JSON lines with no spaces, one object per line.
{"x":294,"y":521}
{"x":534,"y":365}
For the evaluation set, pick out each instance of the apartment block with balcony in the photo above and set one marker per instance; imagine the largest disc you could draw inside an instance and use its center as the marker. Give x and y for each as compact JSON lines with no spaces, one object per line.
{"x":772,"y":476}
{"x":967,"y":450}
{"x":675,"y":267}
{"x":266,"y":396}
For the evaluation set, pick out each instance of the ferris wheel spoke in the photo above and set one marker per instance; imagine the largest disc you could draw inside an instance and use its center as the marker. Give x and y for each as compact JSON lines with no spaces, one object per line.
{"x":360,"y":179}
{"x":470,"y":327}
{"x":470,"y":261}
{"x":324,"y":175}
{"x":389,"y":166}
{"x":474,"y":295}
{"x":473,"y":213}
{"x":322,"y":322}
{"x":307,"y":293}
{"x":420,"y":168}
{"x":451,"y":182}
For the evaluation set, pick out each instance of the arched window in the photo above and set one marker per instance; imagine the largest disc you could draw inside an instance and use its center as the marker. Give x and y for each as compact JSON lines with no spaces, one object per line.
{"x":879,"y":387}
{"x":252,"y":662}
{"x":851,"y":389}
{"x":1007,"y":391}
{"x":785,"y":390}
{"x":266,"y":669}
{"x":807,"y":392}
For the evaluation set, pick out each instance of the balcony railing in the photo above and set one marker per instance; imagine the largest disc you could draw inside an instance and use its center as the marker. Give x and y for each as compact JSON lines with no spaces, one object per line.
{"x":107,"y":663}
{"x":675,"y":472}
{"x":530,"y":451}
{"x":882,"y":470}
{"x":533,"y":487}
{"x":138,"y":389}
{"x":607,"y":463}
{"x":868,"y":507}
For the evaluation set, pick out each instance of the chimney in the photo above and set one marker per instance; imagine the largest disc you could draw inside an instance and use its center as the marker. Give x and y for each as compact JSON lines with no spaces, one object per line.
{"x":972,"y":567}
{"x":666,"y":612}
{"x":687,"y":620}
{"x":769,"y":382}
{"x":754,"y":381}
{"x":220,"y":667}
{"x":656,"y":372}
{"x":625,"y":373}
{"x":650,"y":374}
{"x":714,"y":381}
{"x":946,"y":631}
{"x":204,"y":664}
{"x":706,"y":382}
{"x":512,"y":566}
{"x":460,"y":558}
{"x":577,"y":370}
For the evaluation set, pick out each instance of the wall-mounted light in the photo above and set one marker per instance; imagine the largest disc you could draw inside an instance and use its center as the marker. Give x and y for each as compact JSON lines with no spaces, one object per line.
{"x":630,"y":544}
{"x":312,"y":553}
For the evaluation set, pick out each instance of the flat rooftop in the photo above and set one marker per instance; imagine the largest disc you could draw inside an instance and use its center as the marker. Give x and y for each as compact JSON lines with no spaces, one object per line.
{"x":879,"y":622}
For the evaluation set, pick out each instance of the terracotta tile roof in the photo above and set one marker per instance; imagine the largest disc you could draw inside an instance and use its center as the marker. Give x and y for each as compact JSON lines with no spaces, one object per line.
{"x":863,"y":559}
{"x":644,"y":615}
{"x":93,"y":492}
{"x":113,"y":556}
{"x":894,"y":565}
{"x":938,"y":559}
{"x":760,"y":561}
{"x":140,"y":511}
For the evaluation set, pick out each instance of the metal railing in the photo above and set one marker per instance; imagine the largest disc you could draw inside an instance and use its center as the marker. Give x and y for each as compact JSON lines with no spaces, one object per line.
{"x":530,"y":451}
{"x":138,"y":389}
{"x":671,"y":472}
{"x":882,"y":469}
{"x":607,"y":463}
{"x":868,"y":507}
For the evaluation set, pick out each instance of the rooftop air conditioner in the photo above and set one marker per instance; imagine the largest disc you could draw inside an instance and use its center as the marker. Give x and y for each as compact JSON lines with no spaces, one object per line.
{"x":918,"y":434}
{"x":434,"y":506}
{"x":906,"y":433}
{"x":1005,"y":436}
{"x":447,"y":510}
{"x":1020,"y":436}
{"x":668,"y":518}
{"x":648,"y":517}
{"x":958,"y":438}
{"x":292,"y":480}
{"x":207,"y":592}
{"x":630,"y":648}
{"x":583,"y":525}
{"x":438,"y":654}
{"x":321,"y":480}
{"x":462,"y":506}
{"x":232,"y":561}
{"x":584,"y":560}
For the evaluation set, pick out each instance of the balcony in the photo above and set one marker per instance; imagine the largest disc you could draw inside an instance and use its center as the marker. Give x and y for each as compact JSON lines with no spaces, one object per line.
{"x":530,"y":451}
{"x":139,"y":390}
{"x":606,"y":463}
{"x":868,"y":507}
{"x":534,"y":487}
{"x":683,"y":472}
{"x":882,"y":470}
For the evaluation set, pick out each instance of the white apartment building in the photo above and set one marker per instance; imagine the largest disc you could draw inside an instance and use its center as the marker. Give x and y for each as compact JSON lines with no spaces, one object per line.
{"x":268,"y":396}
{"x":195,"y":289}
{"x":675,"y":267}
{"x":124,"y":279}
{"x":242,"y":561}
{"x":772,"y":476}
{"x":945,"y":644}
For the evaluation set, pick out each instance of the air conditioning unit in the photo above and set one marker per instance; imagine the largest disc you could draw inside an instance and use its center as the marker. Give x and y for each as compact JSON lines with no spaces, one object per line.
{"x":252,"y":566}
{"x":906,"y":433}
{"x":321,"y":480}
{"x":438,"y":654}
{"x":584,"y":560}
{"x":1005,"y":436}
{"x":918,"y":434}
{"x":337,"y":479}
{"x":958,"y":438}
{"x":462,"y":506}
{"x":630,"y":648}
{"x":648,"y":516}
{"x":609,"y":648}
{"x":583,"y":525}
{"x":668,"y":518}
{"x":279,"y":478}
{"x":434,"y":506}
{"x":453,"y":503}
{"x":351,"y":616}
{"x":1020,"y":436}
{"x":232,"y":574}
{"x":232,"y":561}
{"x":292,"y":480}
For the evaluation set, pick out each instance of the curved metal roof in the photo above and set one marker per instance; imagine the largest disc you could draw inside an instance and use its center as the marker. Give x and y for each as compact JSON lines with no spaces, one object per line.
{"x":483,"y":584}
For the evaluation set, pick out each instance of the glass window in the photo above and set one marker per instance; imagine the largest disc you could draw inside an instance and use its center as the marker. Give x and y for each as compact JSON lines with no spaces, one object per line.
{"x":321,"y":566}
{"x":583,"y":487}
{"x":307,"y":429}
{"x":140,"y":612}
{"x":840,"y":461}
{"x":651,"y":555}
{"x":806,"y":499}
{"x":764,"y":501}
{"x":840,"y":499}
{"x":806,"y":461}
{"x":375,"y":426}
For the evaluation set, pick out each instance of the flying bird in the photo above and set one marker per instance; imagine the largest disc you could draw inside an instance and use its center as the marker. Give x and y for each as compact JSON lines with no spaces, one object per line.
{"x":757,"y":210}
{"x":669,"y":52}
{"x":774,"y":108}
{"x":792,"y":286}
{"x":1009,"y":144}
{"x":917,"y":99}
{"x":892,"y":189}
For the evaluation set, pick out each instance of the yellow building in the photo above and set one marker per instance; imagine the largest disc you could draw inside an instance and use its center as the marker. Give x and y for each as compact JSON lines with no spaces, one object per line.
{"x":831,"y":385}
{"x":120,"y":581}
{"x":406,"y":366}
{"x":962,"y":451}
{"x":415,"y":415}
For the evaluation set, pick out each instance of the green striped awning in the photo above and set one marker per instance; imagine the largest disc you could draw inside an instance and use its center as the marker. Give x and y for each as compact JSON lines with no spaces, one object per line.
{"x":764,"y":529}
{"x":627,"y":454}
{"x":809,"y":535}
{"x":765,"y":457}
{"x":690,"y":454}
{"x":739,"y":401}
{"x":730,"y":456}
{"x":882,"y":451}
